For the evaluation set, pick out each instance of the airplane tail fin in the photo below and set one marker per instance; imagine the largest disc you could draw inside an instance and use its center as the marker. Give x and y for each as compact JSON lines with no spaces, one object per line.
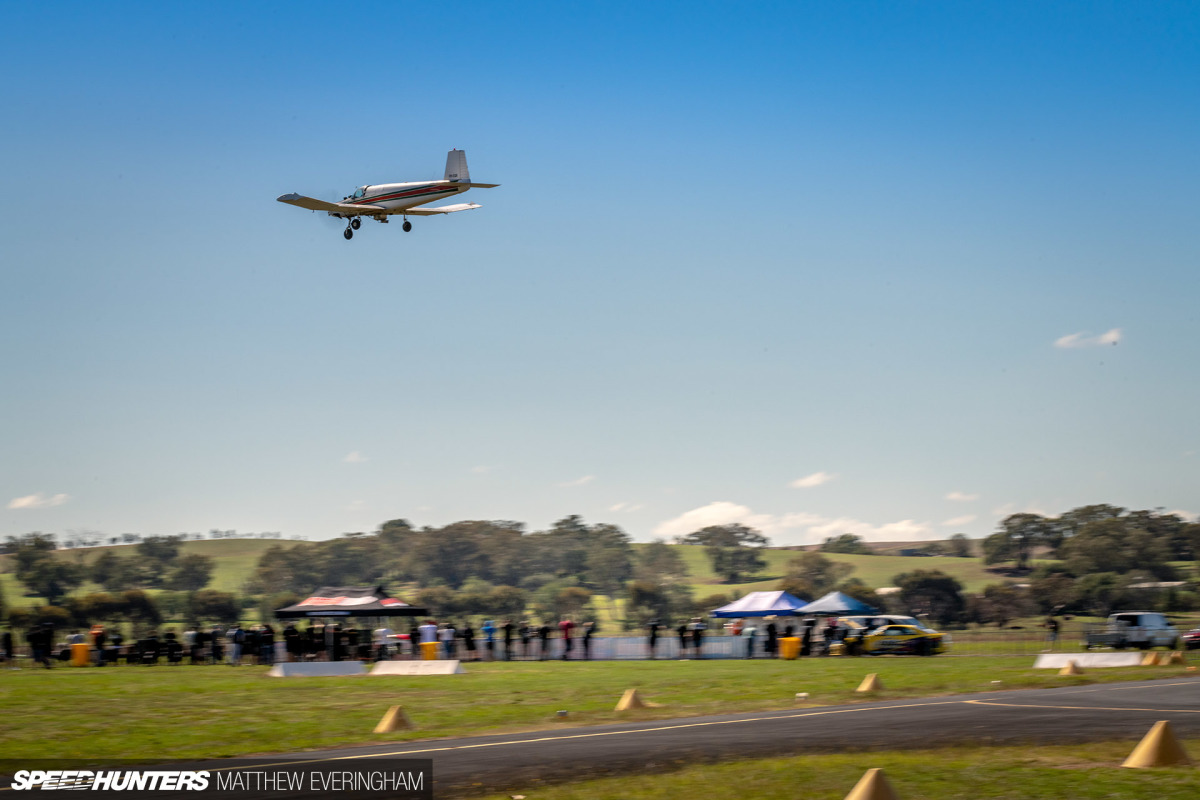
{"x":456,"y":166}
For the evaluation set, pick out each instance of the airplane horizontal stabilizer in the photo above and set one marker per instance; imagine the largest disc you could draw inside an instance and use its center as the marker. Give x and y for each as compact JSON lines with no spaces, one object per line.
{"x":428,"y":212}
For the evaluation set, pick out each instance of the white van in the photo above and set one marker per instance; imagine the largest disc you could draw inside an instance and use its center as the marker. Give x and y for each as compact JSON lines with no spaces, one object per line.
{"x":1142,"y":629}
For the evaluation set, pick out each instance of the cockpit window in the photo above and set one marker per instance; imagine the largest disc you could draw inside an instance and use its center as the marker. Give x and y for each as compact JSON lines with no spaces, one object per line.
{"x":359,"y":192}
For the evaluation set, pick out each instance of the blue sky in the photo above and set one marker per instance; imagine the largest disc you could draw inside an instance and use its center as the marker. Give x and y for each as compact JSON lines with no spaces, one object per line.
{"x":816,"y":267}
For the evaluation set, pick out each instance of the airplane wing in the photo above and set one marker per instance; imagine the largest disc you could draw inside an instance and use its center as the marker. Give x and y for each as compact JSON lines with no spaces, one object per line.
{"x":334,"y":208}
{"x":428,"y":212}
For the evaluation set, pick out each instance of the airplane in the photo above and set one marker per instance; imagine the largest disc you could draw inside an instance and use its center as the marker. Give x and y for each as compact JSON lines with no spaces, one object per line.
{"x":379,"y":201}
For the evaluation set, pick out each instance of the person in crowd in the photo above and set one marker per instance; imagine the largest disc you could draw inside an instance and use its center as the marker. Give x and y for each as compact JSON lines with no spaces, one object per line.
{"x":789,"y":631}
{"x":150,"y":649}
{"x":526,"y":636}
{"x":333,"y":648}
{"x":99,"y":640}
{"x":468,"y":637}
{"x":589,"y":628}
{"x":216,"y":648}
{"x":317,"y":650}
{"x":6,"y":645}
{"x":414,"y":638}
{"x":748,"y":631}
{"x":237,"y":639}
{"x":565,"y":626}
{"x":198,"y":645}
{"x":831,"y":633}
{"x":684,"y":639}
{"x":117,"y":641}
{"x":41,"y":640}
{"x":489,"y":639}
{"x":447,"y":635}
{"x":652,"y":629}
{"x":698,"y":627}
{"x":291,"y":641}
{"x":771,"y":645}
{"x":251,"y":641}
{"x":806,"y":637}
{"x":383,"y":643}
{"x":189,"y":643}
{"x":266,"y":645}
{"x":544,"y":640}
{"x":350,"y":637}
{"x":1051,"y":626}
{"x":171,"y":647}
{"x":507,"y":629}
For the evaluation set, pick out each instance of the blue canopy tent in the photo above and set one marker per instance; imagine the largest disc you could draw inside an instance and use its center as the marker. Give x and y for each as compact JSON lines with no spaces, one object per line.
{"x":761,"y":604}
{"x":837,"y":603}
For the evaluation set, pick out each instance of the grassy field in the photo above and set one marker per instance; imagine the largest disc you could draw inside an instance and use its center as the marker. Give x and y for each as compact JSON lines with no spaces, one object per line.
{"x":209,"y":711}
{"x":1070,"y":772}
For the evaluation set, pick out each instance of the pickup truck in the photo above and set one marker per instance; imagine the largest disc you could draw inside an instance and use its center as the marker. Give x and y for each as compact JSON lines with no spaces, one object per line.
{"x":1141,"y":629}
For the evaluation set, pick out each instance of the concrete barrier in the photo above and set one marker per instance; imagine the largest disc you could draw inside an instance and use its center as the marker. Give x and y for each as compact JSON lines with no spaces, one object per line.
{"x":448,"y":667}
{"x":1087,"y":660}
{"x":313,"y":669}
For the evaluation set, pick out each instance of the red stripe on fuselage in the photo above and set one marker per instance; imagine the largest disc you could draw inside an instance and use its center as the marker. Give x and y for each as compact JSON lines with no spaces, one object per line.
{"x":408,"y":193}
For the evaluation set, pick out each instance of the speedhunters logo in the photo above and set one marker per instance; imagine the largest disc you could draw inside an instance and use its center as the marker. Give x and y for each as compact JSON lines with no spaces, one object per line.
{"x":115,"y":781}
{"x":240,"y":779}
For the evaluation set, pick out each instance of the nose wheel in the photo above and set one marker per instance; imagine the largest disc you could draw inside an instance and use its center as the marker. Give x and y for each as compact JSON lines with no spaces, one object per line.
{"x":406,"y":227}
{"x":355,"y":223}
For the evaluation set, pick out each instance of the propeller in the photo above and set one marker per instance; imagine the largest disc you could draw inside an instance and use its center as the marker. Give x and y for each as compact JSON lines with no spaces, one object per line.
{"x":332,"y":196}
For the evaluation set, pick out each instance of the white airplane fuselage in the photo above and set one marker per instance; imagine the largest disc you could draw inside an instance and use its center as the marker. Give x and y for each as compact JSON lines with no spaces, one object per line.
{"x":398,"y":197}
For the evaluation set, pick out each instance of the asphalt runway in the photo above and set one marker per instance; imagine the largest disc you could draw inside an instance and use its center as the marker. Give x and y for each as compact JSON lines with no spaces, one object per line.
{"x":523,"y":761}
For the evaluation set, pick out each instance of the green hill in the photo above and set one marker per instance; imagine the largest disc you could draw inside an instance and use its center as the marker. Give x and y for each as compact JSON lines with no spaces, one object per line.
{"x":875,"y":571}
{"x":235,"y":560}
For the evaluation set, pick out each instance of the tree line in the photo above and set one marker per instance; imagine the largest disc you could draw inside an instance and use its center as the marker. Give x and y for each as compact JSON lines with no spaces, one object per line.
{"x":1092,"y":559}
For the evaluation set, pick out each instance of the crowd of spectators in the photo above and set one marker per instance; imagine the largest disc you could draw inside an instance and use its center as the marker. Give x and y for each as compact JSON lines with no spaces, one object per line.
{"x":318,"y":640}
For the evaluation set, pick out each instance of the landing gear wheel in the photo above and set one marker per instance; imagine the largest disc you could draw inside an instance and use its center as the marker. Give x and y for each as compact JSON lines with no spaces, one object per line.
{"x":349,"y":234}
{"x":355,"y":223}
{"x":407,"y":226}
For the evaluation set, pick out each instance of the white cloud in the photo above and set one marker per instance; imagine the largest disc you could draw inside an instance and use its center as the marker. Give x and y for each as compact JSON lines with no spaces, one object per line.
{"x":791,"y":528}
{"x":628,"y":508}
{"x":38,"y":500}
{"x":354,"y":458}
{"x":809,"y":481}
{"x":1083,"y":339}
{"x":721,"y":512}
{"x":962,"y":497}
{"x":955,"y":522}
{"x":586,"y":479}
{"x":1184,"y":515}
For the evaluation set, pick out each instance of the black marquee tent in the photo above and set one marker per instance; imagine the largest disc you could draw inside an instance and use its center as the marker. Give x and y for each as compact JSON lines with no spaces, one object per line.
{"x":350,"y":601}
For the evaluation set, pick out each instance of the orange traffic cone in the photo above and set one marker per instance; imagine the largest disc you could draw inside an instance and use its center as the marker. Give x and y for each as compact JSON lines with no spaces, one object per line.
{"x":394,"y":720}
{"x":633,"y":699}
{"x":873,"y":785}
{"x":1158,"y":748}
{"x":871,"y":683}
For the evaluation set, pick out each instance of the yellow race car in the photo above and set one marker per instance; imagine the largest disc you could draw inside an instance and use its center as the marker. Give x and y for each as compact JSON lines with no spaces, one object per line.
{"x":901,"y":640}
